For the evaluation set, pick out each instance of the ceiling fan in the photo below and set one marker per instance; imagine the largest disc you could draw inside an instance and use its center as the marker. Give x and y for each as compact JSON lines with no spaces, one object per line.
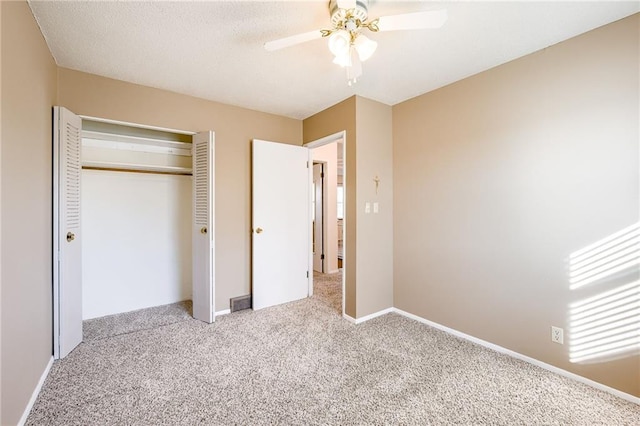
{"x":349,"y":19}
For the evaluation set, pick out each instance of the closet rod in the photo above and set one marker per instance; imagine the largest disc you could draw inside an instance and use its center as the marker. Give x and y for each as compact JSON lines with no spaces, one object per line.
{"x":129,"y":170}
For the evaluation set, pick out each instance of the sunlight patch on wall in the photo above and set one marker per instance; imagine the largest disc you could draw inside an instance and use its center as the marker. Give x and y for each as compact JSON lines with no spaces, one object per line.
{"x":606,"y":325}
{"x":602,"y":259}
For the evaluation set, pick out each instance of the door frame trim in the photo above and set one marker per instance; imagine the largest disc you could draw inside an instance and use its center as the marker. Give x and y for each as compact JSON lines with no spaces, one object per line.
{"x":55,"y":278}
{"x":323,"y":260}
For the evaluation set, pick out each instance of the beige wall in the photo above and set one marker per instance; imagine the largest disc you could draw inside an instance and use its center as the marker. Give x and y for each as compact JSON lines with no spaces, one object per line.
{"x":28,"y":92}
{"x":368,"y":154}
{"x":500,"y":177}
{"x":96,"y":96}
{"x":337,"y":118}
{"x":375,"y":230}
{"x":328,"y":154}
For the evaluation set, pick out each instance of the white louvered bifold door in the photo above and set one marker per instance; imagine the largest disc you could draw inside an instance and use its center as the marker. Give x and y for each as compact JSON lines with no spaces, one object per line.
{"x":203,"y":251}
{"x":67,"y":277}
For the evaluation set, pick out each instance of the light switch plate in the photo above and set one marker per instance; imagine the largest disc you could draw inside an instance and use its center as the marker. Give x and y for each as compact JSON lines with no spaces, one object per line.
{"x":375,"y":207}
{"x":367,"y":207}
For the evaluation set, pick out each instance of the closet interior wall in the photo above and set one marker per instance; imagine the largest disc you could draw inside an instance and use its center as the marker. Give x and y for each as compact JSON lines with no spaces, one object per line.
{"x":136,"y":218}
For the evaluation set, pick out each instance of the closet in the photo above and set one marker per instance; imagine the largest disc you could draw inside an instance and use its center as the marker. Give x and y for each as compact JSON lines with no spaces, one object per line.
{"x":133,"y":221}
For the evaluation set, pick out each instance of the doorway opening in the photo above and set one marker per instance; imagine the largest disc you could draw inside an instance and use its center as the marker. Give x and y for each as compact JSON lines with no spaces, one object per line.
{"x":328,"y":219}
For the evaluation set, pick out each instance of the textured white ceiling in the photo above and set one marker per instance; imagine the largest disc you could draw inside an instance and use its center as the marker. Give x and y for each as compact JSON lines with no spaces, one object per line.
{"x":213,"y":49}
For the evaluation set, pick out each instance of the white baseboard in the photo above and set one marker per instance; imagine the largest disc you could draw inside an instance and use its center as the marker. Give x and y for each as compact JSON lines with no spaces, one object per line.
{"x":352,"y":320}
{"x":223,"y":312}
{"x":521,"y":357}
{"x":35,"y":393}
{"x":373,"y":315}
{"x":367,"y":317}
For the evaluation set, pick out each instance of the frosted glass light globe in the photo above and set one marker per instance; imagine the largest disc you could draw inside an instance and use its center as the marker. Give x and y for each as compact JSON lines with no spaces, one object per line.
{"x":339,"y":43}
{"x":365,"y":47}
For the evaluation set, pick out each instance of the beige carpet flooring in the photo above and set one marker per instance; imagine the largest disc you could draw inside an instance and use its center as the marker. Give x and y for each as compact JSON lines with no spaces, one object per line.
{"x":327,"y":288}
{"x":302,"y":364}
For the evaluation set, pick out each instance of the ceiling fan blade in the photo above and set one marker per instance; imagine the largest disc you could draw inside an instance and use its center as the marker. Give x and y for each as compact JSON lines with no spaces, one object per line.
{"x":292,"y":40}
{"x":413,"y":21}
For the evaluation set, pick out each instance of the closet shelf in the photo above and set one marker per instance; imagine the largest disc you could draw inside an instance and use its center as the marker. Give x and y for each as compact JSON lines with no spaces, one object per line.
{"x":127,"y":139}
{"x":135,"y":147}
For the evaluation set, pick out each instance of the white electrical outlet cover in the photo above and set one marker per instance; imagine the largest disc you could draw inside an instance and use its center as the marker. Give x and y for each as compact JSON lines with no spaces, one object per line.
{"x":557,"y":335}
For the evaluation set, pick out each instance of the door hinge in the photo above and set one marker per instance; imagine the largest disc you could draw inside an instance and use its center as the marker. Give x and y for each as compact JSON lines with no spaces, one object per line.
{"x":307,"y":274}
{"x":322,"y":257}
{"x":322,"y":175}
{"x":307,"y":164}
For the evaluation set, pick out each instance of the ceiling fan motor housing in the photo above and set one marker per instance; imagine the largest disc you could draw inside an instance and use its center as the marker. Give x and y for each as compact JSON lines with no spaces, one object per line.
{"x":339,"y":17}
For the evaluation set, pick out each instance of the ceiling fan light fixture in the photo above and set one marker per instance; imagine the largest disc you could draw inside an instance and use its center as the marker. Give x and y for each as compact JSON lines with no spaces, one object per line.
{"x":365,"y":47}
{"x":341,"y":10}
{"x":344,"y":59}
{"x":339,"y":43}
{"x":349,"y":19}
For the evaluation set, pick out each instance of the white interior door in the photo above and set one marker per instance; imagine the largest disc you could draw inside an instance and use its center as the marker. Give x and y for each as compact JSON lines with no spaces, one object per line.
{"x":203,"y":249}
{"x":318,"y":217}
{"x":281,"y":223}
{"x":67,"y":235}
